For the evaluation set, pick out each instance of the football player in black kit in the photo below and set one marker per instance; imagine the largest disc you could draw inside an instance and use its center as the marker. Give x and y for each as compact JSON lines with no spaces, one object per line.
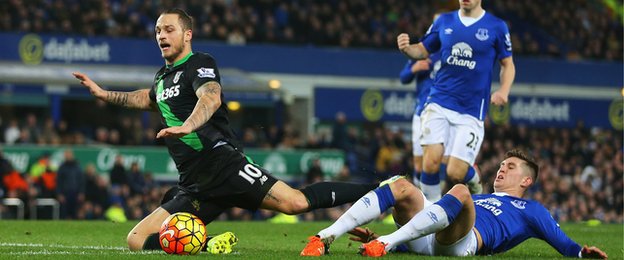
{"x":214,"y":174}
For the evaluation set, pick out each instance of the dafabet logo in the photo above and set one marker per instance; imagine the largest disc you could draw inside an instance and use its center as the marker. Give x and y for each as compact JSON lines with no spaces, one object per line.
{"x":33,"y":50}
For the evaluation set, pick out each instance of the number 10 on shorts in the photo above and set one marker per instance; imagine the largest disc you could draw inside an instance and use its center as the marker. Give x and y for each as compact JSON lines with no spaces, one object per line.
{"x":251,"y":172}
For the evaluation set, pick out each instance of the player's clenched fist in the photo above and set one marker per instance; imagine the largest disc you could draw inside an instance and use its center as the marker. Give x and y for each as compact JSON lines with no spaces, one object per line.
{"x":403,"y":41}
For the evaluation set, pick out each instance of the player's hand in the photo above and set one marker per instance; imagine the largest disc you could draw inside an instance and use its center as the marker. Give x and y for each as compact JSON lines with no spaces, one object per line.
{"x":421,"y":65}
{"x":499,"y":98}
{"x":403,"y":42}
{"x":593,"y":252}
{"x":363,"y":235}
{"x":174,"y":131}
{"x":96,"y":90}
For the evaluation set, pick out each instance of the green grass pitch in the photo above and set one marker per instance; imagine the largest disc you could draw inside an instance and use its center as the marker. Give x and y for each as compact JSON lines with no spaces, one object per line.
{"x":258,"y":240}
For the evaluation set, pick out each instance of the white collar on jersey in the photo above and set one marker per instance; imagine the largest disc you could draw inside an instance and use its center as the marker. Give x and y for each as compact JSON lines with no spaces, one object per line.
{"x":500,"y":194}
{"x":468,"y":21}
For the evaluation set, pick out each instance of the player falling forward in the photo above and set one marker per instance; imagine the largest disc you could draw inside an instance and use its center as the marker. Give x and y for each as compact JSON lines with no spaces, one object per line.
{"x":214,"y":174}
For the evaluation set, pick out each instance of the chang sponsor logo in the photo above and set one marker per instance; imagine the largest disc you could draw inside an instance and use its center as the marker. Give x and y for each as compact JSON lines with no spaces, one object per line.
{"x":461,"y":55}
{"x":33,"y":50}
{"x":490,"y":204}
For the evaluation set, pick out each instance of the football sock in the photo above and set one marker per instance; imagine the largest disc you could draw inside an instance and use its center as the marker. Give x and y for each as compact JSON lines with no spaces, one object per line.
{"x":331,"y":194}
{"x":151,"y":242}
{"x":430,"y":220}
{"x":363,"y":211}
{"x":469,"y":175}
{"x":430,"y":185}
{"x":416,"y":178}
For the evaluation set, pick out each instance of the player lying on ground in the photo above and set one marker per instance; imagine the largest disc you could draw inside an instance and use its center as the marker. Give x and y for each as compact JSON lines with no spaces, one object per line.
{"x":458,"y":224}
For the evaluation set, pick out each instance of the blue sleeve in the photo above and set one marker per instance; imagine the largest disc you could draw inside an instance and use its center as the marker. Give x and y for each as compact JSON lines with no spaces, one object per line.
{"x":406,"y":74}
{"x":503,"y":41}
{"x":547,"y":229}
{"x":431,"y":40}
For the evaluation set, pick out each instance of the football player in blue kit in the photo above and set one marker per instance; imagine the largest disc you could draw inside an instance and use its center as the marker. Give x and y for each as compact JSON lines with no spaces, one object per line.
{"x":459,"y":224}
{"x":469,"y":42}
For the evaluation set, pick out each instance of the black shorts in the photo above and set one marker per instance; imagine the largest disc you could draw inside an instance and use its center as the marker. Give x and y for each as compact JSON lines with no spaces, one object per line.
{"x":246,"y":186}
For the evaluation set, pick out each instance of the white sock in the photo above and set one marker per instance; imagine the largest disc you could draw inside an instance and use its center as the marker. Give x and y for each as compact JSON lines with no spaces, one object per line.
{"x":432,"y":192}
{"x":430,"y":220}
{"x":416,"y":181}
{"x":363,"y":211}
{"x":475,"y":179}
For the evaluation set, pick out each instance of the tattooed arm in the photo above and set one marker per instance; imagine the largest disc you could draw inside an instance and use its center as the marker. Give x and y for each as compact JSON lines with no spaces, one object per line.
{"x":138,"y":99}
{"x":209,"y":101}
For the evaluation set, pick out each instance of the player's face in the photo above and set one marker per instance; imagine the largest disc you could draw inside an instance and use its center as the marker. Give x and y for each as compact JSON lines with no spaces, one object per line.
{"x":170,"y":36}
{"x":469,"y":4}
{"x":511,"y":175}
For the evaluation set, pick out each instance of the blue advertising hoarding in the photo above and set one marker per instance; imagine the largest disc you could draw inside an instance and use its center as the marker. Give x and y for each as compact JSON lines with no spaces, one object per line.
{"x":364,"y":105}
{"x":306,"y":60}
{"x":559,"y":112}
{"x":397,"y":106}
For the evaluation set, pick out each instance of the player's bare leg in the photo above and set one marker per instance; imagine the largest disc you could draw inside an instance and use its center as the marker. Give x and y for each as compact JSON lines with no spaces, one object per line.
{"x":418,"y":168}
{"x":430,"y":179}
{"x":283,"y":198}
{"x":148,"y":226}
{"x":463,"y":222}
{"x":409,"y":200}
{"x":459,"y":171}
{"x":456,"y":169}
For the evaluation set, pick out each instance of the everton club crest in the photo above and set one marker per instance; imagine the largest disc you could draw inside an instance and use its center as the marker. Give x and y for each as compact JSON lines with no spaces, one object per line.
{"x":482,"y":34}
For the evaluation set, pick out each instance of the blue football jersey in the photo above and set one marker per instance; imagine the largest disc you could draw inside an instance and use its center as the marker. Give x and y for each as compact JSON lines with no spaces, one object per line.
{"x":468,"y":55}
{"x":424,"y":80}
{"x":505,"y":221}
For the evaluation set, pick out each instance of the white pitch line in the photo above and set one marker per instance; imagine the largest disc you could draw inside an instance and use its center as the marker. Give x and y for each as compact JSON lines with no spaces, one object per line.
{"x":63,"y":246}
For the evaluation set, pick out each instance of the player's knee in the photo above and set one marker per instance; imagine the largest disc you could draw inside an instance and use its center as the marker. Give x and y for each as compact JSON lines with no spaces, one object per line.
{"x":135,"y":242}
{"x":402,"y":189}
{"x":461,"y":192}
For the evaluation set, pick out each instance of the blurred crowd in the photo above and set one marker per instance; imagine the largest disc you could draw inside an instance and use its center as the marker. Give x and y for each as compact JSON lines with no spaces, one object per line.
{"x":571,"y":29}
{"x":581,"y":176}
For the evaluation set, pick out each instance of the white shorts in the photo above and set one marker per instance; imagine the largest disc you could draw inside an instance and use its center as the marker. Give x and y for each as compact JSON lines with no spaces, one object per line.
{"x":416,"y":134}
{"x":460,"y":134}
{"x":427,"y":245}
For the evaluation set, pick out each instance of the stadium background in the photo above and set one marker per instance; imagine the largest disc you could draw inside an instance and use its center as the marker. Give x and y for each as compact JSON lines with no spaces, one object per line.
{"x":288,"y":69}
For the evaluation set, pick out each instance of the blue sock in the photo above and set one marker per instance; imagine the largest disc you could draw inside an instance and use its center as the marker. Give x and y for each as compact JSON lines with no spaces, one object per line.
{"x":386,"y":199}
{"x":469,"y":174}
{"x":442,"y":171}
{"x":430,"y":179}
{"x":451,"y":205}
{"x":416,"y":175}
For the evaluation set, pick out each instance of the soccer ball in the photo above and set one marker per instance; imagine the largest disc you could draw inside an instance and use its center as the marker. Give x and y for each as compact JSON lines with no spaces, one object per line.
{"x":182,"y":233}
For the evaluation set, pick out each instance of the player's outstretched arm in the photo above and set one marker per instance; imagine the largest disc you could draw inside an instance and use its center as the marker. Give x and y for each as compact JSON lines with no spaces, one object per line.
{"x":593,"y":252}
{"x":209,"y":101}
{"x":414,"y":51}
{"x":138,"y":99}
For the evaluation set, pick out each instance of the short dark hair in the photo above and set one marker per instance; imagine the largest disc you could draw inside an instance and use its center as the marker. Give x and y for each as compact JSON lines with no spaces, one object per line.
{"x":185,"y":19}
{"x":530,"y":161}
